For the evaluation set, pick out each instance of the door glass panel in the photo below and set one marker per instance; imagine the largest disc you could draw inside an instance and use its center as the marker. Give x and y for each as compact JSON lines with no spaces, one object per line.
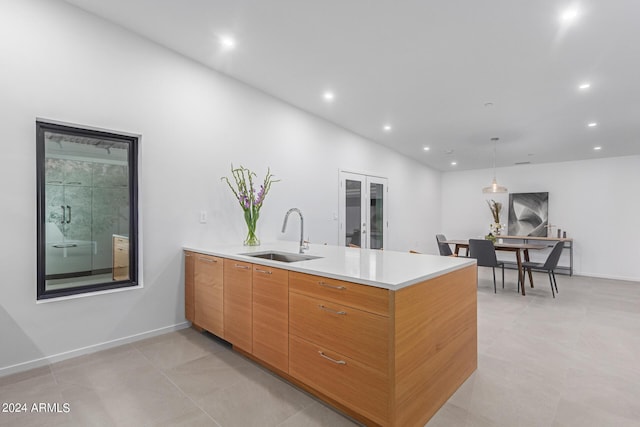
{"x":353,"y":212}
{"x":376,"y":216}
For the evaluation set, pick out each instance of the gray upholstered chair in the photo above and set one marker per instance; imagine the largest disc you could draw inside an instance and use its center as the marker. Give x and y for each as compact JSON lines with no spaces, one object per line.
{"x":444,"y":248}
{"x":485,"y":254}
{"x":549,"y":265}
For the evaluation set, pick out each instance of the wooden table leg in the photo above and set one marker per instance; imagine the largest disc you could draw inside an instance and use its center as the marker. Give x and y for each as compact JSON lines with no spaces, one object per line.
{"x":526,"y":258}
{"x":457,"y":250}
{"x":520,"y":271}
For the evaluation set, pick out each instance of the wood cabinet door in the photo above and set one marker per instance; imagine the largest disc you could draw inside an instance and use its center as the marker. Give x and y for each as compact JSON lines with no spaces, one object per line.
{"x":120,"y":258}
{"x":208,"y":279}
{"x":238,"y":308}
{"x":189,"y":285}
{"x":271,"y":316}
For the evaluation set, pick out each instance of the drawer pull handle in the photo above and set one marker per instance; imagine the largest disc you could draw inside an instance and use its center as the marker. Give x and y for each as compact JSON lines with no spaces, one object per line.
{"x":322,"y":307}
{"x":263,"y":271}
{"x":337,"y":362}
{"x":244,"y":267}
{"x":187,"y":255}
{"x":207,"y":259}
{"x":326,"y":285}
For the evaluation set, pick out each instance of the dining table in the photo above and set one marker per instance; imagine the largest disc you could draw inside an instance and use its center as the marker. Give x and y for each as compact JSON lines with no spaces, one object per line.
{"x":520,"y":249}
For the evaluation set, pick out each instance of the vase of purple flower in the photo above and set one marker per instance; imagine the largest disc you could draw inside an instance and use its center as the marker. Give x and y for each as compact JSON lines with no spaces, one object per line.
{"x":249,"y":199}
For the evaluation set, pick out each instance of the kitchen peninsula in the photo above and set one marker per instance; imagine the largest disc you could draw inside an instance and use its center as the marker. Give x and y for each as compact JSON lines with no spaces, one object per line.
{"x":384,"y":336}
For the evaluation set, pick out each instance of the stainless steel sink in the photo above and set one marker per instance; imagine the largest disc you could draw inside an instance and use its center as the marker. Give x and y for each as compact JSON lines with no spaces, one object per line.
{"x":281,"y":256}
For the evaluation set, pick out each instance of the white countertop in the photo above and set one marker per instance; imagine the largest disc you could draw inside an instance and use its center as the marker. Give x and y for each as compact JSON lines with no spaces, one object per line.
{"x":383,"y":269}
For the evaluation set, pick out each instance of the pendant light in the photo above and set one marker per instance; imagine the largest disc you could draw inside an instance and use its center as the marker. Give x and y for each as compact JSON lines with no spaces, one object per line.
{"x":494,"y":187}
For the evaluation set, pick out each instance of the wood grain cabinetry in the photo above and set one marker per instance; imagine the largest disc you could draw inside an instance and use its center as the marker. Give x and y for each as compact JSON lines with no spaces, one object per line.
{"x":271,"y":316}
{"x":388,"y":358}
{"x":435,"y":343}
{"x":120,"y":246}
{"x":368,"y":298}
{"x":208,"y":291}
{"x":339,"y":342}
{"x":238,"y":306}
{"x":356,"y":385}
{"x":350,"y":331}
{"x":189,"y":285}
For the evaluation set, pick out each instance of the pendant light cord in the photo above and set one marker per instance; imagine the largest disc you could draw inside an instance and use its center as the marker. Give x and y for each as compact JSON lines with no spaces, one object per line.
{"x":495,"y":145}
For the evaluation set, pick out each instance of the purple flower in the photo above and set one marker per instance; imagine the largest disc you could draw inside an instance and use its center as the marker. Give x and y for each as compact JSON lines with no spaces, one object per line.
{"x":244,"y":200}
{"x":260,"y":195}
{"x":244,"y":190}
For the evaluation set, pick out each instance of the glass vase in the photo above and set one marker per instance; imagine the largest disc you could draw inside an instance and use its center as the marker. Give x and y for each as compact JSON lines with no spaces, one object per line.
{"x":251,"y":239}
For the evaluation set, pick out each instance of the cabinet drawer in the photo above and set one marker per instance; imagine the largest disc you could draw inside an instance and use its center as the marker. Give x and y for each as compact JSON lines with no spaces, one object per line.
{"x":347,"y":381}
{"x":355,"y":333}
{"x":120,"y":257}
{"x":367,"y":298}
{"x":120,"y":252}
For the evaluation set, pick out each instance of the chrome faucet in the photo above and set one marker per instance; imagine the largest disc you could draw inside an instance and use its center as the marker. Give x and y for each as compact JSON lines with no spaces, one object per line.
{"x":303,"y":245}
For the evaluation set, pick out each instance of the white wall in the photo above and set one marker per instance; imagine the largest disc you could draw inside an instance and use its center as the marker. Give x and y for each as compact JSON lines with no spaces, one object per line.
{"x":596,"y":201}
{"x":60,"y":63}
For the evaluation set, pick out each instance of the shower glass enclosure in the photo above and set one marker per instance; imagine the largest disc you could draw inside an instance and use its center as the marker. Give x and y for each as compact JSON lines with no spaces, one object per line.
{"x":86,"y":190}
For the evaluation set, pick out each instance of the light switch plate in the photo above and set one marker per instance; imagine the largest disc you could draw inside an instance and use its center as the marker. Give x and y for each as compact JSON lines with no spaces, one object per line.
{"x":203,"y":217}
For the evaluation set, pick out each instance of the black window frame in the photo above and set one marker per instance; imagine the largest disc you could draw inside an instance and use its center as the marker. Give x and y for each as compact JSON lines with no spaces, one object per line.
{"x":132,"y":141}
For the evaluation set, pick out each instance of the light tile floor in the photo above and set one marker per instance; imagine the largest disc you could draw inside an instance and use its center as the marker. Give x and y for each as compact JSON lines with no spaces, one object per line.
{"x":569,"y":361}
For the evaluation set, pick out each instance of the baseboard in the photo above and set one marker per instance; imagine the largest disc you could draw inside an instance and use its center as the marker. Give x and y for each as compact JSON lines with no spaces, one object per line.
{"x":36,"y":363}
{"x":564,"y":272}
{"x":606,"y":276}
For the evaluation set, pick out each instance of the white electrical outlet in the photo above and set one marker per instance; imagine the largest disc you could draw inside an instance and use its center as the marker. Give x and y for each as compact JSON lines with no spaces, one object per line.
{"x":203,"y":217}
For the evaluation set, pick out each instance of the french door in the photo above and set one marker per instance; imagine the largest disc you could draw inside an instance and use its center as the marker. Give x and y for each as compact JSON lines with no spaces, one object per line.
{"x":363,"y":210}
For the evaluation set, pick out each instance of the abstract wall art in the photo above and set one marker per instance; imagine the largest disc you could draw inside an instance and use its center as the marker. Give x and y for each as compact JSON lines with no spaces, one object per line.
{"x":528,"y":214}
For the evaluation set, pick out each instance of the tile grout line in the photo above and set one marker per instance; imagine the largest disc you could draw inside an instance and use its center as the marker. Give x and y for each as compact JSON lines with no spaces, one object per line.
{"x":162,"y":372}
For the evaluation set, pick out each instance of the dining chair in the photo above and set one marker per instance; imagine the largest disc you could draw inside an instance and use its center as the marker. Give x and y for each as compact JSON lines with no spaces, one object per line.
{"x":444,"y":248}
{"x":485,"y":254}
{"x":549,"y":265}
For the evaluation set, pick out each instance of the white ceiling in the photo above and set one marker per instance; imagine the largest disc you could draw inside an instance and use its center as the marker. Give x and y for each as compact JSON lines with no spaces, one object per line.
{"x":427,"y":67}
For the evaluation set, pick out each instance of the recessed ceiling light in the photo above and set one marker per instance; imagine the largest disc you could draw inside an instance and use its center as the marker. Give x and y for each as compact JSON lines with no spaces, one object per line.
{"x":426,"y":148}
{"x":227,"y":42}
{"x":569,"y":15}
{"x":597,"y":148}
{"x":592,"y":124}
{"x":387,"y":128}
{"x":584,"y":86}
{"x":328,"y":96}
{"x":454,"y":163}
